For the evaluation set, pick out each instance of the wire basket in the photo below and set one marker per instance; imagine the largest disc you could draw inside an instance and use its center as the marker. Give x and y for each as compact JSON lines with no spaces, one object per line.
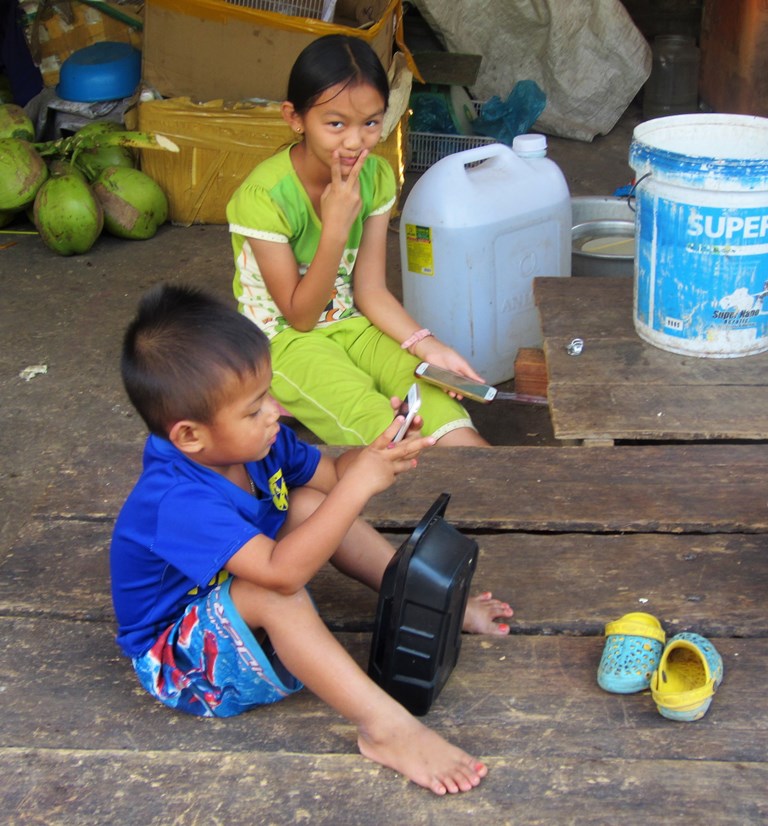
{"x":426,"y":148}
{"x":317,"y":9}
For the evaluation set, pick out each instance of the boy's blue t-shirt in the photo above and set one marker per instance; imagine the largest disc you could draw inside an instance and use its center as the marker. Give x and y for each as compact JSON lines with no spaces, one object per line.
{"x":183,"y":522}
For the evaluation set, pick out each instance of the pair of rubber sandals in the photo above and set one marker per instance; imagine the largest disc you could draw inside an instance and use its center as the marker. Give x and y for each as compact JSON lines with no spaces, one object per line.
{"x":682,"y":673}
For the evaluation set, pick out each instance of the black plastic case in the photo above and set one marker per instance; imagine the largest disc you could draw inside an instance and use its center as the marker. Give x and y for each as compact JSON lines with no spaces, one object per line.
{"x":423,"y":596}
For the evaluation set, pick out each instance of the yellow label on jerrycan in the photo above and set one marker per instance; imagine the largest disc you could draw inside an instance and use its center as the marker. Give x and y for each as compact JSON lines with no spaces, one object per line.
{"x":418,"y":249}
{"x":476,"y":229}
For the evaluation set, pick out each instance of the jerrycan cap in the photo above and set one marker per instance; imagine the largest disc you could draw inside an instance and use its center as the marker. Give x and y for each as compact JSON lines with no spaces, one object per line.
{"x":530,"y":146}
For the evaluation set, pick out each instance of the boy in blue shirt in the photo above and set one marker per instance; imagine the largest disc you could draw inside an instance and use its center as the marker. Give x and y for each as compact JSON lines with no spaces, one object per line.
{"x":231,"y":518}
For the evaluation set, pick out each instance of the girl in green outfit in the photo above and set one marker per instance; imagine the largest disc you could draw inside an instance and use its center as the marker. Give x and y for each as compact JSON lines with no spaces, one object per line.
{"x":309,"y":228}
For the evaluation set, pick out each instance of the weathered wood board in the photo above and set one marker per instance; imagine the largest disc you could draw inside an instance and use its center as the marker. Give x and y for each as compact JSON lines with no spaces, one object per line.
{"x":714,"y":583}
{"x":86,"y":742}
{"x":202,"y":787}
{"x":622,"y":388}
{"x":572,"y":538}
{"x":710,"y":488}
{"x":535,"y":695}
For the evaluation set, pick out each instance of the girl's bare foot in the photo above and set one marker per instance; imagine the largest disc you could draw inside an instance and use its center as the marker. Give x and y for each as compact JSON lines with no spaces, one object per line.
{"x":482,"y":613}
{"x":423,"y":756}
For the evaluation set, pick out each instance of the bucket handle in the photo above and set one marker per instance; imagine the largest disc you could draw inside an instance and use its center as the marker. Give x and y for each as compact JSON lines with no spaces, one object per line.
{"x":631,"y":193}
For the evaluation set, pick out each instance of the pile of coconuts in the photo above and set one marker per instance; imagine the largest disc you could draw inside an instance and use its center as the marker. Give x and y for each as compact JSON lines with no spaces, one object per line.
{"x":74,"y":187}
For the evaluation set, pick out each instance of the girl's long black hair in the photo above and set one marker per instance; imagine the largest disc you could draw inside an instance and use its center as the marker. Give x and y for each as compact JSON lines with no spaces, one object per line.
{"x":329,"y":61}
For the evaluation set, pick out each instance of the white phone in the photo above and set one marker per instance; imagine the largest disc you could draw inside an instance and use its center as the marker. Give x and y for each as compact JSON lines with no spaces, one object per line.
{"x":468,"y":388}
{"x":409,"y":408}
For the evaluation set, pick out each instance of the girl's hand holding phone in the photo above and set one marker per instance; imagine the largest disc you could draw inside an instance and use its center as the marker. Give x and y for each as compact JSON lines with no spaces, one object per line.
{"x":455,"y":384}
{"x":435,"y":352}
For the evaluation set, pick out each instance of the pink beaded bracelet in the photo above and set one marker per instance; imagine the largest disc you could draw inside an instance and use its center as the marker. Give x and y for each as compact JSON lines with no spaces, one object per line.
{"x":418,"y":336}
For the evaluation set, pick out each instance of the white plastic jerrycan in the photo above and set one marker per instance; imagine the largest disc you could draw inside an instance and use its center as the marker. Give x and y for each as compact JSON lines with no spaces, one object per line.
{"x":476,"y":229}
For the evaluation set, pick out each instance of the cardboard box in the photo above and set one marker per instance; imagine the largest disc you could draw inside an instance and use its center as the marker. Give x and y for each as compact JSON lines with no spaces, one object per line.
{"x":212,"y":49}
{"x":54,"y":34}
{"x":219,"y":145}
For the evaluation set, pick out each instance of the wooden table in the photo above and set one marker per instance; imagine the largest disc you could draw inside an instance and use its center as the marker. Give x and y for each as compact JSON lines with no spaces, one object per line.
{"x":573,"y":538}
{"x":621,"y":388}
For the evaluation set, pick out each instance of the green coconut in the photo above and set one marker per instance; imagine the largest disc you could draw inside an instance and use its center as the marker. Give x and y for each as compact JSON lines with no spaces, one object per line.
{"x":67,"y":215}
{"x":22,"y":173}
{"x":61,"y":166}
{"x":134,"y":205}
{"x":14,"y":123}
{"x":93,"y":160}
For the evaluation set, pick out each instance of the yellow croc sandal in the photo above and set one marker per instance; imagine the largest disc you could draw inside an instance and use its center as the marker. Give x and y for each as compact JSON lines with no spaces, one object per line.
{"x":687,"y":677}
{"x":631,"y":654}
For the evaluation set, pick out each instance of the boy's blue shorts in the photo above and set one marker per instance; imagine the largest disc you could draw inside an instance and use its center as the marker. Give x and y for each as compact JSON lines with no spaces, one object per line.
{"x":209,"y":663}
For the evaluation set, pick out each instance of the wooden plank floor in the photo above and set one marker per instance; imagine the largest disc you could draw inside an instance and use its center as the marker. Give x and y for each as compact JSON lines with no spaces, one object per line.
{"x":573,"y":539}
{"x":621,"y":388}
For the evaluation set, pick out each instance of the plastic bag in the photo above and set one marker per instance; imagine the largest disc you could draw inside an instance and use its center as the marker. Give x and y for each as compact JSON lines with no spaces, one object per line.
{"x":504,"y":120}
{"x":587,"y":55}
{"x":431,"y":112}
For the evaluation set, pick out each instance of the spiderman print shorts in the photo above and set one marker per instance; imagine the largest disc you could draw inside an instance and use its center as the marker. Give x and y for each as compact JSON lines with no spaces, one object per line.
{"x":209,"y":663}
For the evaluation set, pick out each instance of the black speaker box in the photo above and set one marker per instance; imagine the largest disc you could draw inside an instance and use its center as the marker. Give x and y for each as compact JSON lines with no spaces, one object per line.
{"x":423,"y":596}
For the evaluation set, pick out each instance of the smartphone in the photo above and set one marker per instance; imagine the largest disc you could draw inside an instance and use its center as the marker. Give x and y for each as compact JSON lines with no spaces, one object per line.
{"x":409,"y":408}
{"x":469,"y":388}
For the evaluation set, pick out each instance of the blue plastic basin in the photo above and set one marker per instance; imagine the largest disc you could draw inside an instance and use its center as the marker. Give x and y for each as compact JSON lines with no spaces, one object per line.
{"x":103,"y":71}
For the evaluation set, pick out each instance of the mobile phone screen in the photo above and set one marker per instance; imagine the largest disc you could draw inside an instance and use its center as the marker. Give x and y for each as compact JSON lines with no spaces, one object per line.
{"x":453,"y":381}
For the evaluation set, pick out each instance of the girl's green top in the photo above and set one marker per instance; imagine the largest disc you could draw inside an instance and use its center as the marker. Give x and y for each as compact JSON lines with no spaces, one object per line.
{"x":272,"y":204}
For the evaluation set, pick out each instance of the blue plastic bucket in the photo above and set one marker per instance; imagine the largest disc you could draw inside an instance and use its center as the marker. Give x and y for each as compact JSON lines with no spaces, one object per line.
{"x":701,"y":238}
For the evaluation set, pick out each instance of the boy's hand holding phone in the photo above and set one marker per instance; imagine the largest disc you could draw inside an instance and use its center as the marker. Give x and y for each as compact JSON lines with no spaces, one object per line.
{"x":408,"y":410}
{"x":395,"y":451}
{"x":375,"y":467}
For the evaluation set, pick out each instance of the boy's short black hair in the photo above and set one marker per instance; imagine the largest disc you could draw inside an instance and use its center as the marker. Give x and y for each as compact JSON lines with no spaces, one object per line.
{"x":180,"y":353}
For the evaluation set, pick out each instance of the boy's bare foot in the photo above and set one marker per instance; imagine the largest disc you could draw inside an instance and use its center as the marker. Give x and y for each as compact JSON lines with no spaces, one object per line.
{"x":481,"y":613}
{"x":423,"y":756}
